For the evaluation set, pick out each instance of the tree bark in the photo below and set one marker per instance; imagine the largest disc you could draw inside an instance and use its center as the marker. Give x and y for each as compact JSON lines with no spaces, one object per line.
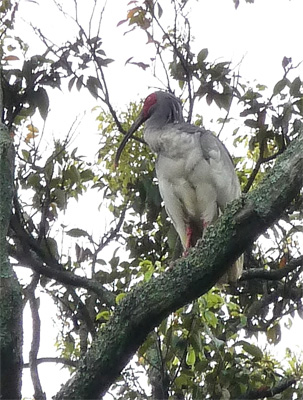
{"x":10,"y":295}
{"x":192,"y":276}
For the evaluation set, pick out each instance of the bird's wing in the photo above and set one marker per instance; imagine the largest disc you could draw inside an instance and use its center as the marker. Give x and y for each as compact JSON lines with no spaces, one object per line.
{"x":222,"y":169}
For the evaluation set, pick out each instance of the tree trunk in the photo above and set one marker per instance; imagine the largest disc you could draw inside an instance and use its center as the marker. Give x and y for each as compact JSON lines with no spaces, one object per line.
{"x":192,"y":276}
{"x":10,"y":295}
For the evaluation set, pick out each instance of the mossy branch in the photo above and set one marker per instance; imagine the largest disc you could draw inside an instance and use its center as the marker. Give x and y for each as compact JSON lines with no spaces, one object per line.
{"x":190,"y":277}
{"x":10,"y":295}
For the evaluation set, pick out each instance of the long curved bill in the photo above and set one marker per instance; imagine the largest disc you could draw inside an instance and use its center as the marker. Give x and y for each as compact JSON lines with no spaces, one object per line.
{"x":138,"y":122}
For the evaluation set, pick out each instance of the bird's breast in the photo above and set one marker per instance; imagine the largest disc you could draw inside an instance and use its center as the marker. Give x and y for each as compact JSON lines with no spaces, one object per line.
{"x":170,"y":142}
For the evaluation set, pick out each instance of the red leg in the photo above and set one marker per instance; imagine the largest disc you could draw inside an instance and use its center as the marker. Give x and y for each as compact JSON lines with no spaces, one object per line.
{"x":205,"y":226}
{"x":189,"y":233}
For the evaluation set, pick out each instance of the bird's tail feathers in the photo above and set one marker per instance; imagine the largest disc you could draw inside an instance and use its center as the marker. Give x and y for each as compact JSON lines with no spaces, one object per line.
{"x":234,"y":272}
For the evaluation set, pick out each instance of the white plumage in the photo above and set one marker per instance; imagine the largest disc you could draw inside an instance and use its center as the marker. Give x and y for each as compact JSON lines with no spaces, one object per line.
{"x":194,"y":169}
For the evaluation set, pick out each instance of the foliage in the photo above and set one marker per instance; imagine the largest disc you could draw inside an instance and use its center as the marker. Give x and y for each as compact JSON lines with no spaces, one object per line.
{"x":211,"y":348}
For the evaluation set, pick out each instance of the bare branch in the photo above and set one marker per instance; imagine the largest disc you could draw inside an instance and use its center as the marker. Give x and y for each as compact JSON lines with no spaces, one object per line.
{"x":111,"y":234}
{"x":34,"y":305}
{"x":57,"y":360}
{"x":261,"y":160}
{"x":260,"y":273}
{"x":63,"y":276}
{"x":30,"y":255}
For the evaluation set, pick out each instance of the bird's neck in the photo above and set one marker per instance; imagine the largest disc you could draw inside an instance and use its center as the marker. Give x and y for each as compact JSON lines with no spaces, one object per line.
{"x":165,"y":114}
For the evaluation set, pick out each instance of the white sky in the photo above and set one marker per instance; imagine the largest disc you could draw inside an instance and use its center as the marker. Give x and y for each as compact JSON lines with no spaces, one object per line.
{"x":263,"y":33}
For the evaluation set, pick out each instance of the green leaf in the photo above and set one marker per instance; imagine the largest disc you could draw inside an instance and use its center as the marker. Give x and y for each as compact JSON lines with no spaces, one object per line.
{"x":93,"y":85}
{"x":42,"y":101}
{"x":114,"y":262}
{"x":181,"y":381}
{"x":26,"y":155}
{"x":160,"y":11}
{"x":119,"y":297}
{"x":148,"y":274}
{"x":195,"y":340}
{"x":34,"y":180}
{"x":76,"y":232}
{"x":73,"y":174}
{"x":49,"y":169}
{"x":299,"y":104}
{"x":60,"y":197}
{"x":211,"y":318}
{"x":209,"y":98}
{"x":261,"y":87}
{"x":223,"y":100}
{"x":190,"y":356}
{"x":251,"y":123}
{"x":79,"y":82}
{"x":71,"y":83}
{"x":103,"y":315}
{"x":251,"y":349}
{"x":101,"y":262}
{"x":295,"y":87}
{"x":202,"y":55}
{"x":87,"y":175}
{"x":273,"y":334}
{"x":279,"y":86}
{"x":103,"y":62}
{"x":49,"y":246}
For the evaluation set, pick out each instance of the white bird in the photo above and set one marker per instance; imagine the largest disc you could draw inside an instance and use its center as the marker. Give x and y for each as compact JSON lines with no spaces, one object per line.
{"x":196,"y":174}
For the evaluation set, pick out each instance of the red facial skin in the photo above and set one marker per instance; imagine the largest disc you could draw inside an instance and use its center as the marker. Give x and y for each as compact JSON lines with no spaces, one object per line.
{"x":148,"y":103}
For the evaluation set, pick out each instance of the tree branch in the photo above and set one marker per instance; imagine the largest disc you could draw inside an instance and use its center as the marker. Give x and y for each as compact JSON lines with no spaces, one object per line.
{"x":261,"y":160}
{"x":66,"y":277}
{"x":34,"y":305}
{"x":275,"y":275}
{"x":10,"y":294}
{"x":262,"y":393}
{"x":57,"y":360}
{"x":192,"y":276}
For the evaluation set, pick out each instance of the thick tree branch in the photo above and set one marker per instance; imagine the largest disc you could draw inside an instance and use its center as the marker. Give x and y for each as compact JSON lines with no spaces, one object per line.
{"x":10,"y":294}
{"x":263,"y":393}
{"x":148,"y":304}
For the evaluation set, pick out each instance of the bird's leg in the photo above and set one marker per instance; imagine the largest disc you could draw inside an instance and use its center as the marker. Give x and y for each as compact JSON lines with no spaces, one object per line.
{"x":188,"y":244}
{"x":205,"y":225}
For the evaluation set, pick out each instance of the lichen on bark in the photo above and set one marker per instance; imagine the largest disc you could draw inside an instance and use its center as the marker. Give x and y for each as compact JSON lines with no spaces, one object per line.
{"x":190,"y":277}
{"x":10,"y":295}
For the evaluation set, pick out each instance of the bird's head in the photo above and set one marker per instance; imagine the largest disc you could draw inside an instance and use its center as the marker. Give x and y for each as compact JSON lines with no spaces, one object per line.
{"x":161,"y":108}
